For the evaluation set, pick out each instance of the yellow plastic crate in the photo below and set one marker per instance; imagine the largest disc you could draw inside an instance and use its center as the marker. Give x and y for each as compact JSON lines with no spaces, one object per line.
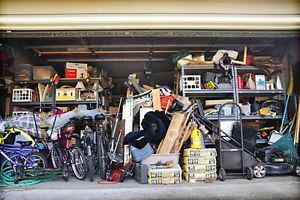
{"x":199,"y":168}
{"x":200,"y":152}
{"x":199,"y":160}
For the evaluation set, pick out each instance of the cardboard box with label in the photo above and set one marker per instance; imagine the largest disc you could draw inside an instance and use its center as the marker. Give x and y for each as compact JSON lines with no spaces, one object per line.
{"x":76,"y":70}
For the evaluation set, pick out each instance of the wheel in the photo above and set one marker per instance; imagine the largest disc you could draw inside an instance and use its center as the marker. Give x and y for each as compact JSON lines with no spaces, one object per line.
{"x":36,"y":160}
{"x":222,"y":174}
{"x":65,"y":172}
{"x":56,"y":157}
{"x":10,"y":173}
{"x":101,"y":157}
{"x":91,"y":168}
{"x":249,"y":173}
{"x":78,"y":163}
{"x":297,"y":170}
{"x":259,"y":171}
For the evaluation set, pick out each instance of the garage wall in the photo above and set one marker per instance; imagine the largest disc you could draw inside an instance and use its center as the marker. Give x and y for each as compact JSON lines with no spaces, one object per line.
{"x":154,"y":14}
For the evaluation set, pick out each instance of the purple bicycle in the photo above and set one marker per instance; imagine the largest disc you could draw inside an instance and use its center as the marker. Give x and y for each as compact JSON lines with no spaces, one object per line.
{"x":18,"y":159}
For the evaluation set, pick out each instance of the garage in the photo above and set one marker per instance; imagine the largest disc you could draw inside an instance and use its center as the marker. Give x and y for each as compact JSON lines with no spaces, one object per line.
{"x":158,"y":93}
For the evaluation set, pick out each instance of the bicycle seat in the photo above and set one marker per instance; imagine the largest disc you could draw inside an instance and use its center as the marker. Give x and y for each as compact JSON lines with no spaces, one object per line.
{"x":24,"y":143}
{"x":99,"y":117}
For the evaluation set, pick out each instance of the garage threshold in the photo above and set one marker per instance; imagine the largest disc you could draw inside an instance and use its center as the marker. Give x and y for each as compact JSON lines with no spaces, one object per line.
{"x":279,"y":187}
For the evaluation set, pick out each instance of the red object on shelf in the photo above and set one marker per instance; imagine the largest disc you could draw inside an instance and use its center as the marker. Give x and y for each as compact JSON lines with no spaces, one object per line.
{"x":249,"y":60}
{"x":164,"y":101}
{"x":71,"y":73}
{"x":240,"y":82}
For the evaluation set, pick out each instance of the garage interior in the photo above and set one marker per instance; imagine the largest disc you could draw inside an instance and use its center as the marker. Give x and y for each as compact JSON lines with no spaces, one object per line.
{"x":164,"y":93}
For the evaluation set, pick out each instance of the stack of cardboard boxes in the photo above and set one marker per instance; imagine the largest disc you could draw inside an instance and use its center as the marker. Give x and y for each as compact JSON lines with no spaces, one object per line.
{"x":199,"y":165}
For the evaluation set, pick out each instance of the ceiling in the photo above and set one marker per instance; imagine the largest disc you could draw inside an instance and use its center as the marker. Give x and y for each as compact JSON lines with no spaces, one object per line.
{"x":120,"y":55}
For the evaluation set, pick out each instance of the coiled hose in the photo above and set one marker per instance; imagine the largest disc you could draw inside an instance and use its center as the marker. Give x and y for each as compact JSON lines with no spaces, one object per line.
{"x":7,"y":177}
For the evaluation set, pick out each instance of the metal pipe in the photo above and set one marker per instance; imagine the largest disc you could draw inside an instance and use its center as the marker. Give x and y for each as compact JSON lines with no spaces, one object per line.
{"x":145,"y":46}
{"x":105,"y":60}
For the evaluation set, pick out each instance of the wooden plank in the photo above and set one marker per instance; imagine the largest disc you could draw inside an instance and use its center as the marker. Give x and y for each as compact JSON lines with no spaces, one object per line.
{"x":147,"y":87}
{"x":173,"y":132}
{"x":127,"y":115}
{"x":156,"y":99}
{"x":217,"y":102}
{"x":181,"y":139}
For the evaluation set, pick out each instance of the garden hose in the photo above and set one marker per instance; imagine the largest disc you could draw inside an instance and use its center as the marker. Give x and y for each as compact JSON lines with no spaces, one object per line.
{"x":7,"y":177}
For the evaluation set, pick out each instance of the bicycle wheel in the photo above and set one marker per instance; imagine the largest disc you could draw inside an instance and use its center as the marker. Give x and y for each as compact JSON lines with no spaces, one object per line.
{"x":91,"y":167}
{"x":9,"y":172}
{"x":36,"y":160}
{"x":56,"y":157}
{"x":101,"y":157}
{"x":78,"y":163}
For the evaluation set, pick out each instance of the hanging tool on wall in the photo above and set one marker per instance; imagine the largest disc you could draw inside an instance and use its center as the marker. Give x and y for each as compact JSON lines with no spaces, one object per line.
{"x":289,"y":94}
{"x":147,"y":71}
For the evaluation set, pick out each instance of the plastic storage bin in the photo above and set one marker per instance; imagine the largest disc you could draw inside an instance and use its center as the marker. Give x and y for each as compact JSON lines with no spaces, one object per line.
{"x":22,"y":95}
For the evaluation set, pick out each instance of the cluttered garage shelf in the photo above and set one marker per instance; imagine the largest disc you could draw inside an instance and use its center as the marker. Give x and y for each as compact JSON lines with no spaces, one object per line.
{"x":227,"y":115}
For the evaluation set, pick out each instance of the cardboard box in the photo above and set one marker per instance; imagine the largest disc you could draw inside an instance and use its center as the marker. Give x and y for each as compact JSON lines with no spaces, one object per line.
{"x":260,"y":82}
{"x":174,"y":172}
{"x":200,"y":152}
{"x":43,"y":72}
{"x":199,"y":168}
{"x":199,"y":160}
{"x":76,"y":70}
{"x":66,"y":93}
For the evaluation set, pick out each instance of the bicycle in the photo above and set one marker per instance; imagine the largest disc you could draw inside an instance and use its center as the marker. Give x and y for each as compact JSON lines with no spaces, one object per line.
{"x":18,"y":161}
{"x":88,"y":145}
{"x":102,"y":131}
{"x":65,"y":152}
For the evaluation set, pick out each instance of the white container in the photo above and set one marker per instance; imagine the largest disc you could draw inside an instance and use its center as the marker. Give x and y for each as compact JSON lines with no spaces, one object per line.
{"x":191,"y":82}
{"x":17,"y":113}
{"x":162,"y":158}
{"x":22,"y":95}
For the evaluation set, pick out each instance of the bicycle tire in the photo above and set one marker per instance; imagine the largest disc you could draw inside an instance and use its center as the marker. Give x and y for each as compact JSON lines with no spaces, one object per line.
{"x":56,"y":157}
{"x":80,"y":174}
{"x":43,"y":161}
{"x":91,"y":168}
{"x":101,"y":158}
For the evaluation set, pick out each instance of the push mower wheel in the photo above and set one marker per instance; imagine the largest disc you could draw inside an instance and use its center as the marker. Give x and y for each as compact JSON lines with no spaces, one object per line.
{"x":259,"y":171}
{"x":222,"y":174}
{"x":249,"y":173}
{"x":297,"y":170}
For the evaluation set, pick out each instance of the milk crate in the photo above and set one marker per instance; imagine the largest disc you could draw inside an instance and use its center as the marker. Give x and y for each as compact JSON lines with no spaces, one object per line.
{"x":17,"y":113}
{"x":22,"y":95}
{"x":191,"y":82}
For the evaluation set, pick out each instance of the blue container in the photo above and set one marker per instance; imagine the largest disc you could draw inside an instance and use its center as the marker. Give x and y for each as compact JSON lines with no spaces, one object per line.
{"x":140,"y":154}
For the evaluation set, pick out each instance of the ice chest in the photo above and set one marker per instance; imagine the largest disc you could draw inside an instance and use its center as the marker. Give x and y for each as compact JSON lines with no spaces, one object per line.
{"x":161,"y":158}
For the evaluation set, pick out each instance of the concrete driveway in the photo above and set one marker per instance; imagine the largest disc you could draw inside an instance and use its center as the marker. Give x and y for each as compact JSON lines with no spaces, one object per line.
{"x":279,"y":187}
